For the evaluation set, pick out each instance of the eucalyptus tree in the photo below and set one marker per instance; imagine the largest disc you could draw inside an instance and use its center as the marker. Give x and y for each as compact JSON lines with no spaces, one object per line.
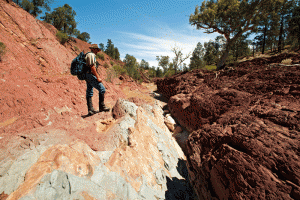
{"x":63,"y":19}
{"x":178,"y":59}
{"x":230,"y":18}
{"x":196,"y":61}
{"x":34,"y":7}
{"x":163,"y":61}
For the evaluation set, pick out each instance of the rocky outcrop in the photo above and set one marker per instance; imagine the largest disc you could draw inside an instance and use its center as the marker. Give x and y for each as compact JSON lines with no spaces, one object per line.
{"x":245,"y":128}
{"x":141,"y":160}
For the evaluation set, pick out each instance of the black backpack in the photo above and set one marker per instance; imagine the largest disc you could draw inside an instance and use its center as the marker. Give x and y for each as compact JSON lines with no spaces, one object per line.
{"x":78,"y":66}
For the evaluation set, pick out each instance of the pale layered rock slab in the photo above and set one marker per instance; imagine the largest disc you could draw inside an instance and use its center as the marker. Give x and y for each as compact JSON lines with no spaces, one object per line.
{"x":145,"y":162}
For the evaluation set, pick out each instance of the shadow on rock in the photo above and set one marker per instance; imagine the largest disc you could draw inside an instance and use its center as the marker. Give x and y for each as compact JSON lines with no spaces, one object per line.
{"x":159,"y":97}
{"x":180,"y":188}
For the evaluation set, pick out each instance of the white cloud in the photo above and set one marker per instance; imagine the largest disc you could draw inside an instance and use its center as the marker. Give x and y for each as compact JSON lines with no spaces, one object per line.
{"x":146,"y":46}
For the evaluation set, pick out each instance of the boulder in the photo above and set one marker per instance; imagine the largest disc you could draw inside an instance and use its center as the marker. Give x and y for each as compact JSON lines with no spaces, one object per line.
{"x":123,"y":107}
{"x":170,"y":122}
{"x":141,"y":161}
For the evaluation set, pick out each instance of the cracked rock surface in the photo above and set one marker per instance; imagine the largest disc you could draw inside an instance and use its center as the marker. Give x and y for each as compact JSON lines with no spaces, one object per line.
{"x":245,"y":124}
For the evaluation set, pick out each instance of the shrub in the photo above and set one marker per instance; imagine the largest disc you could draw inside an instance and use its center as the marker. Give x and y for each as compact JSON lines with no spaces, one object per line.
{"x":119,"y":70}
{"x":62,"y":37}
{"x":110,"y":74}
{"x":100,"y":55}
{"x":169,"y":73}
{"x":106,"y":65}
{"x":287,"y":61}
{"x":76,"y":48}
{"x":211,"y":67}
{"x":34,"y":41}
{"x":2,"y":50}
{"x":111,"y":63}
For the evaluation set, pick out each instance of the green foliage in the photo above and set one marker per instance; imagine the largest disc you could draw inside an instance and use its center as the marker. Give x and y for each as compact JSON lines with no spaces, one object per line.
{"x":119,"y":70}
{"x":34,"y":7}
{"x":196,"y":61}
{"x":211,"y":67}
{"x":27,"y":5}
{"x":106,"y":65}
{"x":230,"y":18}
{"x":111,"y":63}
{"x":169,"y":73}
{"x":131,"y":67}
{"x":152,"y":72}
{"x":63,"y":19}
{"x":294,"y":27}
{"x":178,"y":59}
{"x":144,"y":64}
{"x":110,"y":49}
{"x":76,"y":48}
{"x":2,"y":50}
{"x":101,"y":56}
{"x":240,"y":47}
{"x":110,"y":74}
{"x":163,"y":61}
{"x":210,"y":56}
{"x":230,"y":59}
{"x":84,"y":36}
{"x":117,"y":54}
{"x":62,"y":37}
{"x":101,"y":46}
{"x":159,"y":72}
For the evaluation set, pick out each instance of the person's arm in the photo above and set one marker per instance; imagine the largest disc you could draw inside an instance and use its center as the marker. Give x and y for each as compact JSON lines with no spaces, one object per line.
{"x":94,"y":72}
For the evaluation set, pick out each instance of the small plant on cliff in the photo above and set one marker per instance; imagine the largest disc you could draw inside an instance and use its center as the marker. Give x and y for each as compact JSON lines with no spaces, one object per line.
{"x":34,"y":41}
{"x":110,"y":74}
{"x":119,"y":70}
{"x":76,"y":48}
{"x":2,"y":50}
{"x":100,"y":55}
{"x":106,"y":65}
{"x":111,"y":63}
{"x":62,"y":37}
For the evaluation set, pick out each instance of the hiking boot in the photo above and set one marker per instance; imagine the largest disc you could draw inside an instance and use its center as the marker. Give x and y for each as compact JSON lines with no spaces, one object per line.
{"x":91,"y":110}
{"x":102,"y":106}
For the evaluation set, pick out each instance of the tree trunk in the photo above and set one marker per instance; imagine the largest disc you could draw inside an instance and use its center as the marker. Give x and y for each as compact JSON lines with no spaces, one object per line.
{"x":224,"y":56}
{"x":264,"y":40}
{"x":280,"y":35}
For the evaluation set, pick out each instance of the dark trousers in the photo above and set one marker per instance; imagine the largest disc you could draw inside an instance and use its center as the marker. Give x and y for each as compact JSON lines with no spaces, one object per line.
{"x":91,"y":82}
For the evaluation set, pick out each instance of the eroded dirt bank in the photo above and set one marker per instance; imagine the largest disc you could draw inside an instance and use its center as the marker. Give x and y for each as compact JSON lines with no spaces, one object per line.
{"x":245,"y":125}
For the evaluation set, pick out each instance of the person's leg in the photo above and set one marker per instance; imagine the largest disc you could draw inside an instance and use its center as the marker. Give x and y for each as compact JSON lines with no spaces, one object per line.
{"x":89,"y":95}
{"x":92,"y":80}
{"x":89,"y":90}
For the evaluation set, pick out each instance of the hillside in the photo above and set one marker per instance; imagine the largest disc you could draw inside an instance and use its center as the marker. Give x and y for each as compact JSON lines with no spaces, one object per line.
{"x":35,"y":77}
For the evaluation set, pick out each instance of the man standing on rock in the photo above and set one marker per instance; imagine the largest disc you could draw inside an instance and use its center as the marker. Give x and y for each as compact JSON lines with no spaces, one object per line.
{"x":94,"y":81}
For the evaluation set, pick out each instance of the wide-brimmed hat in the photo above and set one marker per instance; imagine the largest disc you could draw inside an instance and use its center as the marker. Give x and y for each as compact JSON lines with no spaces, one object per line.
{"x":95,"y":46}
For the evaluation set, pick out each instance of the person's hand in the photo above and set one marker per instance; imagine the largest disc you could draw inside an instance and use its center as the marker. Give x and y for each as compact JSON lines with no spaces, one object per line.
{"x":99,"y":80}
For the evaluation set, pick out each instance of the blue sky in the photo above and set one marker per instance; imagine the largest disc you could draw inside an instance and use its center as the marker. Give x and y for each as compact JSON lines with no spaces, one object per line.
{"x":144,"y":29}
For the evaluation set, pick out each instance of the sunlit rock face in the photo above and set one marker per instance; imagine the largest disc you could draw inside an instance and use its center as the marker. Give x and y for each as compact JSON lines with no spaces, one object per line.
{"x":143,"y":162}
{"x":245,"y":128}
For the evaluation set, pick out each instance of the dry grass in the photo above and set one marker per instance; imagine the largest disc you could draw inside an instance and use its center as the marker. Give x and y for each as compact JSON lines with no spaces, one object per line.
{"x":287,"y":61}
{"x":141,"y":93}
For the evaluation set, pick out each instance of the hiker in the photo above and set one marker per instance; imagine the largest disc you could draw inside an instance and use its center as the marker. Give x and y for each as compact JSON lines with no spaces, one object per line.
{"x":94,"y":81}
